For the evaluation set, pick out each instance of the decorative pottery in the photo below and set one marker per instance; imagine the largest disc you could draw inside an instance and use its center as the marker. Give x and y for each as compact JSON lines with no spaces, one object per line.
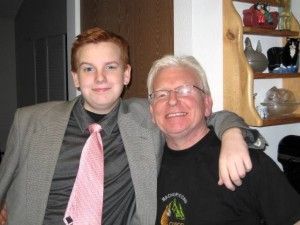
{"x":280,"y":101}
{"x":259,"y":15}
{"x":257,"y":60}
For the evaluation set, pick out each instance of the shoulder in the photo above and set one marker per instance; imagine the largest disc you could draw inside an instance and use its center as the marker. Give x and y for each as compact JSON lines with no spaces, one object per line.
{"x":264,"y":167}
{"x":138,"y":106}
{"x":43,"y":110}
{"x":136,"y":110}
{"x":260,"y":158}
{"x":40,"y":108}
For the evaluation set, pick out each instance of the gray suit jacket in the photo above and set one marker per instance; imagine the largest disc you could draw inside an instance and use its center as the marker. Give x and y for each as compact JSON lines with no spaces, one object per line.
{"x":33,"y":147}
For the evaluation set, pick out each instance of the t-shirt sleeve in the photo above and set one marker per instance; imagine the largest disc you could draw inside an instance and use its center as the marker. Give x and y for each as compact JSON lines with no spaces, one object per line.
{"x":278,"y":201}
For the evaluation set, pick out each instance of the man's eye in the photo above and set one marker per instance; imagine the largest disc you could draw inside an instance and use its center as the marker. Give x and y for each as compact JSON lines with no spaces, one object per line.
{"x":183,"y":91}
{"x":161,"y":94}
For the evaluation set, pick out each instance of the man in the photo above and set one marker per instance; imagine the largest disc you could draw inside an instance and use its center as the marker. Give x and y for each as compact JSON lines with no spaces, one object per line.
{"x":46,"y":140}
{"x":180,"y":102}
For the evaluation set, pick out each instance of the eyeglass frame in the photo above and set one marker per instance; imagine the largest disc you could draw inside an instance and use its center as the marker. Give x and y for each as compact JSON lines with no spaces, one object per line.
{"x":177,"y":90}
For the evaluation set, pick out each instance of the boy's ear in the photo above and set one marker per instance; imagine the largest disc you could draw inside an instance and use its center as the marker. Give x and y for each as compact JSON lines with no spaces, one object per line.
{"x":127,"y":74}
{"x":75,"y":79}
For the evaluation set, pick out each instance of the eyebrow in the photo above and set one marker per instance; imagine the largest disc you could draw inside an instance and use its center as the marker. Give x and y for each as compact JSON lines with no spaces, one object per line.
{"x":110,"y":62}
{"x":82,"y":63}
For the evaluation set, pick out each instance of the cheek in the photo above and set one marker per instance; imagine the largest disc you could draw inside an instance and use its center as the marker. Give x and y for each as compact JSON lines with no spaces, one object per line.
{"x":85,"y":82}
{"x":116,"y":79}
{"x":197,"y":109}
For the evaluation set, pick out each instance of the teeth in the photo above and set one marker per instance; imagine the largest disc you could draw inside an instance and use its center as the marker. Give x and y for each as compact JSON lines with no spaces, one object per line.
{"x":176,"y":114}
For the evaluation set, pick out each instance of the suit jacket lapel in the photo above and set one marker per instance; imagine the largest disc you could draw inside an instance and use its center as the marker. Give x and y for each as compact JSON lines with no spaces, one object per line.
{"x":46,"y":145}
{"x":142,"y":146}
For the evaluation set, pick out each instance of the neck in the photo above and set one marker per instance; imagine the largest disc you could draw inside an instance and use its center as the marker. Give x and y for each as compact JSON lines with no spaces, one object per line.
{"x":187,"y":141}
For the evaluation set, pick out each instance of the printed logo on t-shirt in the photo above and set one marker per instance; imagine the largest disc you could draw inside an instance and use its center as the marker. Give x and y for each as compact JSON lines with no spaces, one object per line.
{"x":173,"y":213}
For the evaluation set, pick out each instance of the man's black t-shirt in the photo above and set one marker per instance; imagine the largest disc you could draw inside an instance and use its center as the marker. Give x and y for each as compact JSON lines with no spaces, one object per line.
{"x":188,"y":193}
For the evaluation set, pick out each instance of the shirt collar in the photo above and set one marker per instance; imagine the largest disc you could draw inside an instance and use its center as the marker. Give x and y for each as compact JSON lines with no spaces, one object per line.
{"x":108,"y":122}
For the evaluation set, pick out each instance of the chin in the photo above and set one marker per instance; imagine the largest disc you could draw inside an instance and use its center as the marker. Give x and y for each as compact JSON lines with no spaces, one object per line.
{"x":175,"y":132}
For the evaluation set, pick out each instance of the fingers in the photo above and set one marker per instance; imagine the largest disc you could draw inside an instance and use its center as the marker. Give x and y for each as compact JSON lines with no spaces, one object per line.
{"x":224,"y":177}
{"x":232,"y":171}
{"x":248,"y":164}
{"x":234,"y":174}
{"x":234,"y":161}
{"x":240,"y":170}
{"x":228,"y":184}
{"x":3,"y":216}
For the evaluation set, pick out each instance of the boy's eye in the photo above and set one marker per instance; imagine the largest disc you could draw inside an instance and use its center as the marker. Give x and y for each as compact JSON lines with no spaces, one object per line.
{"x":88,"y":69}
{"x":111,"y":67}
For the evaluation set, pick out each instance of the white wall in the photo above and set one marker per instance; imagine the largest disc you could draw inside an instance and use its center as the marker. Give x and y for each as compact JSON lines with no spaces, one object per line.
{"x":198,"y":31}
{"x":73,"y":29}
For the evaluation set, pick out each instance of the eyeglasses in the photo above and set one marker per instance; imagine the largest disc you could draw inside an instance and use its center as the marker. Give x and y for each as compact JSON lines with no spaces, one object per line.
{"x":181,"y":91}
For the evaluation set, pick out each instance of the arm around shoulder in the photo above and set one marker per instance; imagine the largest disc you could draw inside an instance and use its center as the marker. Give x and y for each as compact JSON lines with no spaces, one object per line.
{"x":234,"y":161}
{"x":224,"y":120}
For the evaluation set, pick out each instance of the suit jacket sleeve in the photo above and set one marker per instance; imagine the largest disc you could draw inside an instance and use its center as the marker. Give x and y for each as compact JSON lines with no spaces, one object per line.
{"x":223,"y":120}
{"x":10,"y":161}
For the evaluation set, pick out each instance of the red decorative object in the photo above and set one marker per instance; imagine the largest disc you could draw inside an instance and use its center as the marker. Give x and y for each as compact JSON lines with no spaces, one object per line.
{"x":259,"y":15}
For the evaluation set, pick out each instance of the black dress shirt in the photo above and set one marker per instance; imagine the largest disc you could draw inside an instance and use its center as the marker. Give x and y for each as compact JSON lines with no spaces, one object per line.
{"x":119,"y":198}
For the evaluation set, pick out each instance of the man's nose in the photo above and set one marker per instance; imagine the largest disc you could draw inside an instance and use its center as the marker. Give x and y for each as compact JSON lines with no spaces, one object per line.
{"x":172,"y":100}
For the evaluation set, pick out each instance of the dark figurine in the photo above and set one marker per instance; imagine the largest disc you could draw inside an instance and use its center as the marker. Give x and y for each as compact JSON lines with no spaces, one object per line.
{"x":284,"y":59}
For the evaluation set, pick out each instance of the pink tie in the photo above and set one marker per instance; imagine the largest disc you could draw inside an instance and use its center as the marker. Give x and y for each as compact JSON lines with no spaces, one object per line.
{"x":86,"y":200}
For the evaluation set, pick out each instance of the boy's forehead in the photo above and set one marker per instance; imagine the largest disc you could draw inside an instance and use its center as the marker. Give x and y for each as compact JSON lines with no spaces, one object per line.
{"x":100,"y":51}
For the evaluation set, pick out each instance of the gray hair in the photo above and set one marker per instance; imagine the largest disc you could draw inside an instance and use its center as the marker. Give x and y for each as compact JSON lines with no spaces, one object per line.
{"x":177,"y":61}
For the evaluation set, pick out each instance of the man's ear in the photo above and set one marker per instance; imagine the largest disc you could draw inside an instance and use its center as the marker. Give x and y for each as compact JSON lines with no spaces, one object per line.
{"x":75,"y":79}
{"x":127,"y":74}
{"x":208,"y":105}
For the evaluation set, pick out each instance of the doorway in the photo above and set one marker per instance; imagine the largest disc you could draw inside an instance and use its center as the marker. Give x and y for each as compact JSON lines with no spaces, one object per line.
{"x":146,"y":25}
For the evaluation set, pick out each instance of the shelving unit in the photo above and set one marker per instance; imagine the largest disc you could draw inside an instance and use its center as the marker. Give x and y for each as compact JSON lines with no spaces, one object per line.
{"x":239,"y":76}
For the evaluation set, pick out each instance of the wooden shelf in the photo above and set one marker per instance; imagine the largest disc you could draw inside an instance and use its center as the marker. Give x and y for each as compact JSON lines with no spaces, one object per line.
{"x":275,"y":75}
{"x":269,"y":32}
{"x":238,"y":75}
{"x":294,"y":118}
{"x":270,"y":2}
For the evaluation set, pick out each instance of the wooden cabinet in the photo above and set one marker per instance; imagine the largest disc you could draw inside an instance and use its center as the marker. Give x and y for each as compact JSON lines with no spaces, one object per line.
{"x":239,"y":76}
